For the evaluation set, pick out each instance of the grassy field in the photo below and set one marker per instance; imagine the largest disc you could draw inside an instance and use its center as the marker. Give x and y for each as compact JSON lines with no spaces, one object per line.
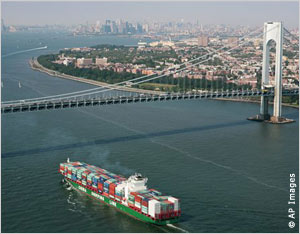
{"x":153,"y":86}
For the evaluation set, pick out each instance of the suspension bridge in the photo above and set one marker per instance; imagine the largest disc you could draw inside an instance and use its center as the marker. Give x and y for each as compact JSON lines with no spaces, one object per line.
{"x":100,"y":101}
{"x":273,"y":31}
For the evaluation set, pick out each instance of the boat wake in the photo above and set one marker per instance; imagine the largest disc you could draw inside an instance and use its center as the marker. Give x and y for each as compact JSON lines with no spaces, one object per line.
{"x":75,"y":205}
{"x":178,"y":228}
{"x":70,"y":202}
{"x":24,"y":51}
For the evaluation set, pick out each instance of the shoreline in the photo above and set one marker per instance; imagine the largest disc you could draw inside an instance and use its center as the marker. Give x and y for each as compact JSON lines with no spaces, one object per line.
{"x":35,"y":65}
{"x":253,"y":101}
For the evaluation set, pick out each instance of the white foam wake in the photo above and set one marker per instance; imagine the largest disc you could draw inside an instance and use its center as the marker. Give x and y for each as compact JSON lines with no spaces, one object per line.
{"x":178,"y":228}
{"x":24,"y":51}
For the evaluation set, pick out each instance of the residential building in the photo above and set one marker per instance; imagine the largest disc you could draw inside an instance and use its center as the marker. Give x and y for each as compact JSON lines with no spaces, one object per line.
{"x":202,"y":41}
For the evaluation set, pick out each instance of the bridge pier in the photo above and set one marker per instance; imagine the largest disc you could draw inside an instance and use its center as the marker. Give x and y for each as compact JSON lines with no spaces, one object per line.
{"x":273,"y":31}
{"x":264,"y":108}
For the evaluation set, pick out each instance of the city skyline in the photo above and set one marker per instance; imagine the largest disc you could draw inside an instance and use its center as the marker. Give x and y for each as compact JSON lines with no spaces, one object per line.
{"x":241,"y":13}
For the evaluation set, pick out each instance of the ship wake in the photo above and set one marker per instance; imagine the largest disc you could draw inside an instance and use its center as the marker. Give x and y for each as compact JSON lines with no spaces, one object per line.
{"x":175,"y":227}
{"x":24,"y":51}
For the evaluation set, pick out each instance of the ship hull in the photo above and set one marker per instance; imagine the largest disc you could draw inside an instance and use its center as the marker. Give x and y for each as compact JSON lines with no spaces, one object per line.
{"x":123,"y":208}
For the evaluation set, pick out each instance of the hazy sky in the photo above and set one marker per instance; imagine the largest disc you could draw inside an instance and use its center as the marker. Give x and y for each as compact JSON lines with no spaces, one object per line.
{"x":242,"y":13}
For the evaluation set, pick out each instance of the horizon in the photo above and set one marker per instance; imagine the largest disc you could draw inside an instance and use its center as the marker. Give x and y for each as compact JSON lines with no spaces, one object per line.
{"x":251,"y":14}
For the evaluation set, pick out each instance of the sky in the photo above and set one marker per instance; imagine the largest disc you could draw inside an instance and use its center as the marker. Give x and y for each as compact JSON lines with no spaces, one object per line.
{"x":79,"y":12}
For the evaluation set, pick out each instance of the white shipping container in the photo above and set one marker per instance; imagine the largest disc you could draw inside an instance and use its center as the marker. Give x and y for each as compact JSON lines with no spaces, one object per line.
{"x":144,"y":211}
{"x":175,"y":201}
{"x":153,"y":207}
{"x":131,"y":202}
{"x":137,"y":204}
{"x":90,"y":176}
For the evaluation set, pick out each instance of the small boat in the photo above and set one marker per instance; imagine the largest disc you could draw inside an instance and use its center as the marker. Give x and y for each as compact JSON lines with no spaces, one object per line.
{"x":20,"y":86}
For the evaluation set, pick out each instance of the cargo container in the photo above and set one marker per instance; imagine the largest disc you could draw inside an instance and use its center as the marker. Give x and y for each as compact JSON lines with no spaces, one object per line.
{"x":96,"y":179}
{"x":155,"y":192}
{"x":145,"y":210}
{"x":100,"y":186}
{"x":175,"y":201}
{"x":112,"y":188}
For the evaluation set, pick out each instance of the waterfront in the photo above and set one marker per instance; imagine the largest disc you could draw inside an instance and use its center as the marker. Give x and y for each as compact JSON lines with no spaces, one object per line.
{"x":34,"y":64}
{"x":232,"y":175}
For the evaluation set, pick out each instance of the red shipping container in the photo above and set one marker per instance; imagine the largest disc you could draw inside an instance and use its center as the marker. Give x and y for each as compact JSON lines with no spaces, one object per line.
{"x":85,"y":173}
{"x":100,"y":186}
{"x":131,"y":205}
{"x":138,"y":199}
{"x":112,"y":187}
{"x":145,"y":203}
{"x":133,"y":193}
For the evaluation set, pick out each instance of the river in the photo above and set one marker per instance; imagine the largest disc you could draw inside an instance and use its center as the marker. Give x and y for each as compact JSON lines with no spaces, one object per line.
{"x":231,"y":175}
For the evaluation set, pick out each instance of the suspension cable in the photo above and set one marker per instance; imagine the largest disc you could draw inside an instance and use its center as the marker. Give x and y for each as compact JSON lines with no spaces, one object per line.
{"x":292,"y":35}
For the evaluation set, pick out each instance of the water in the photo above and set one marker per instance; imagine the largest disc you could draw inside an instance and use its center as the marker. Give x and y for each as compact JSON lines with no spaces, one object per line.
{"x":231,"y":175}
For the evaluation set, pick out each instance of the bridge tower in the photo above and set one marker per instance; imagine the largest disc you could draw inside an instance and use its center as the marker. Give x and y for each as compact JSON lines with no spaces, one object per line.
{"x":273,"y":31}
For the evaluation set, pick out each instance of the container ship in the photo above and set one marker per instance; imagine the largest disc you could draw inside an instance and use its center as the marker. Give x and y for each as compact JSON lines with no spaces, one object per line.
{"x":131,"y":196}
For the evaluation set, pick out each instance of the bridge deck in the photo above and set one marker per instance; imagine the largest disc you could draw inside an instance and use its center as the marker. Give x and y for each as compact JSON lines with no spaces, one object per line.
{"x":63,"y":104}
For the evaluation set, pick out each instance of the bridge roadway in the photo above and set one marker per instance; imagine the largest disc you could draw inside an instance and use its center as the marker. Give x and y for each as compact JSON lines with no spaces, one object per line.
{"x":63,"y":104}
